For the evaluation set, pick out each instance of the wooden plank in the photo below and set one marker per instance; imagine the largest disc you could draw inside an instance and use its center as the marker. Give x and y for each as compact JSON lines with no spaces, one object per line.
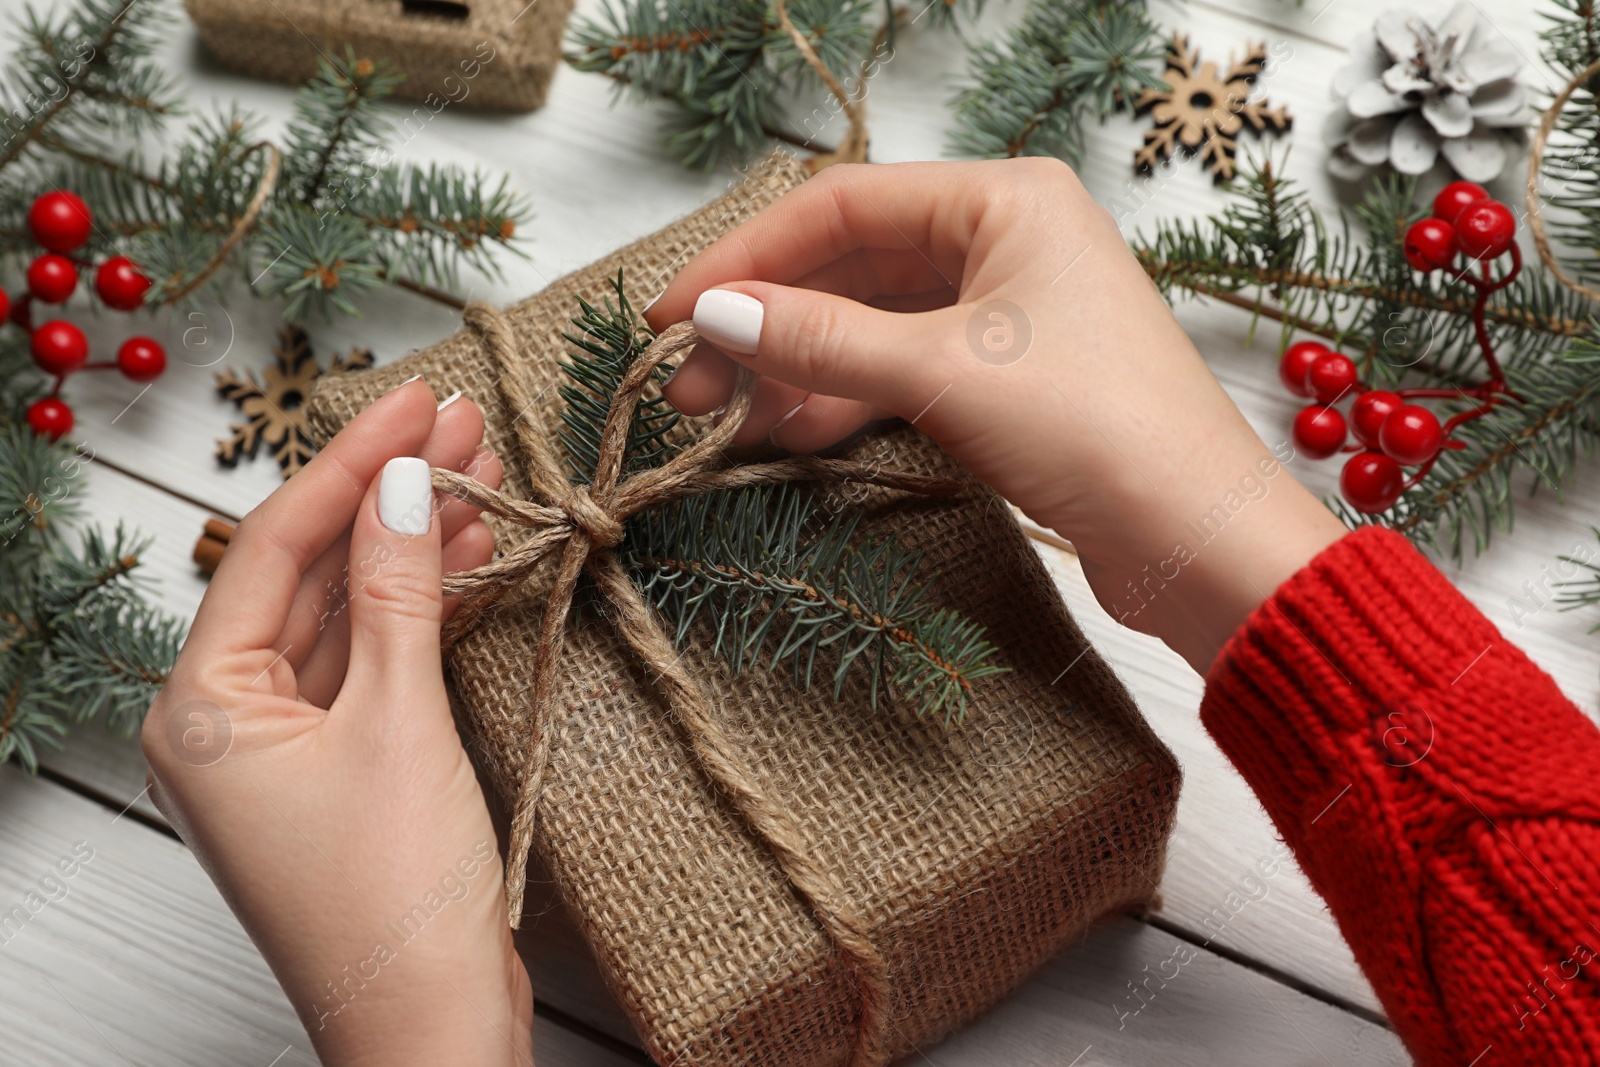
{"x":1133,"y":994}
{"x":134,"y":958}
{"x":1190,"y":1005}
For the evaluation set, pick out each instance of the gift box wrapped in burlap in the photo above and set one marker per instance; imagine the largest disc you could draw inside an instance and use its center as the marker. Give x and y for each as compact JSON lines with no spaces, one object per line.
{"x":454,"y":53}
{"x":970,"y":853}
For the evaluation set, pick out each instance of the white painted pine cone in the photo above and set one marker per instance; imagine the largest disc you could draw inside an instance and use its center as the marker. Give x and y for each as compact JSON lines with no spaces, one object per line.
{"x":1414,"y":91}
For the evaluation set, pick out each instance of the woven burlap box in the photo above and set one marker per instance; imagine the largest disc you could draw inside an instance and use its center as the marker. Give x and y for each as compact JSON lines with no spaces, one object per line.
{"x":975,"y":852}
{"x":473,"y":53}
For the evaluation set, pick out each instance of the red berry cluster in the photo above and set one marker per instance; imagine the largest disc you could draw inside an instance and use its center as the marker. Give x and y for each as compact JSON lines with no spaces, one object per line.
{"x":61,"y":223}
{"x":1466,"y":222}
{"x":1391,"y":432}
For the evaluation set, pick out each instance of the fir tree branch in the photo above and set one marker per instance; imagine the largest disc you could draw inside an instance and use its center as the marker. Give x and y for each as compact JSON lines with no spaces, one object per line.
{"x":1270,"y":252}
{"x":1583,"y":590}
{"x":726,"y":67}
{"x":770,"y":573}
{"x":605,"y":343}
{"x":766,"y":567}
{"x":1061,"y":67}
{"x":1224,"y":281}
{"x":122,"y":167}
{"x":85,"y":83}
{"x":79,"y":638}
{"x":117,"y":40}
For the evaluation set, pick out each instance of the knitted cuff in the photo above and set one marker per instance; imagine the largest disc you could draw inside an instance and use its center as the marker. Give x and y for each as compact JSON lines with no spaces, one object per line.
{"x":1350,"y":662}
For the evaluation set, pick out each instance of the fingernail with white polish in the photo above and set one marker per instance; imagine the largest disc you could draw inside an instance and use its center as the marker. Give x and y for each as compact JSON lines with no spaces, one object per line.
{"x":791,"y":413}
{"x":729,"y":320}
{"x":405,"y":496}
{"x":451,"y":399}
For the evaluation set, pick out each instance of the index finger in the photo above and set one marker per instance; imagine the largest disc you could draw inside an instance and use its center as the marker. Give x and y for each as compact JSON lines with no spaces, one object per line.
{"x":249,"y":597}
{"x":928,"y":208}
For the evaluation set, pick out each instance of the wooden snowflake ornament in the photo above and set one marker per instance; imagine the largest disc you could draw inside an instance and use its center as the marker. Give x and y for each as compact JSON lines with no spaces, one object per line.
{"x":1204,"y":110}
{"x":272,"y":407}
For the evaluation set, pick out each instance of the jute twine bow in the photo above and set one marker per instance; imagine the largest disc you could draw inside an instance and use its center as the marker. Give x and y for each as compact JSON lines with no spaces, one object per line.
{"x":581,"y":525}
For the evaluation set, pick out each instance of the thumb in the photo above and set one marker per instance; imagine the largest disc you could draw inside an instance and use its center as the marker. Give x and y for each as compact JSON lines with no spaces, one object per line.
{"x":822,"y":343}
{"x":394,"y":579}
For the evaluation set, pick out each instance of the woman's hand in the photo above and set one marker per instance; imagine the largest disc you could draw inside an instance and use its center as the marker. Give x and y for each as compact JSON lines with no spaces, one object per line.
{"x":304,"y":749}
{"x":996,"y":306}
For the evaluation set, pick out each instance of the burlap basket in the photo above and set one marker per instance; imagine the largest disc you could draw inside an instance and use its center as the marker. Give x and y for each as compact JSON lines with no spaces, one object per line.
{"x":457,"y":53}
{"x":975,"y":852}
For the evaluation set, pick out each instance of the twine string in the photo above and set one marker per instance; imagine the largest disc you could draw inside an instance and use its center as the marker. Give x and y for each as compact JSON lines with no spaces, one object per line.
{"x":1541,"y":137}
{"x":581,"y":526}
{"x":252,"y":211}
{"x":853,"y":147}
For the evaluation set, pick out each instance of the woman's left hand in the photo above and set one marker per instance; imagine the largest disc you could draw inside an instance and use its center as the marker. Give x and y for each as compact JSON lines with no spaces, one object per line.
{"x":304,"y":748}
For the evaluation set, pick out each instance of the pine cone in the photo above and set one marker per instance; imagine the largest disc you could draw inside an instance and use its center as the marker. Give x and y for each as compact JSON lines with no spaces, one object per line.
{"x":1415,"y":91}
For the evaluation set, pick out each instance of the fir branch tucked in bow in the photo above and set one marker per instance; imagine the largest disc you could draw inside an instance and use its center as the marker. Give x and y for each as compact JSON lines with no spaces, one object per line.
{"x":1272,"y":252}
{"x":773,"y":574}
{"x":339,"y":218}
{"x":78,"y":638}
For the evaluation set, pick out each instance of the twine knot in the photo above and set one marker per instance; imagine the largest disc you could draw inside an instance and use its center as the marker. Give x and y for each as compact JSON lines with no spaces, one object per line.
{"x":578,"y":525}
{"x":602,"y":530}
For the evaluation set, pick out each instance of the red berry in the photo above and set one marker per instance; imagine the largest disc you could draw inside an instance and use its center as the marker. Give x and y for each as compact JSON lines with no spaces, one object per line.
{"x":1430,"y":244}
{"x":120,"y":284}
{"x":50,"y":418}
{"x":52,"y":278}
{"x":1485,"y":230}
{"x":1369,"y":411}
{"x":1331,"y":376}
{"x":1319,"y":430}
{"x":1296,"y":362}
{"x":1410,"y":435}
{"x":1371,"y":482}
{"x":60,"y":221}
{"x":5,"y":307}
{"x":141,"y":359}
{"x":59,"y":347}
{"x":1456,"y":196}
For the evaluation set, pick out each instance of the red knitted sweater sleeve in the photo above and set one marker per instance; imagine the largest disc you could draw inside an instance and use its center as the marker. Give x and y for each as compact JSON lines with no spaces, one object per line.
{"x":1440,"y":793}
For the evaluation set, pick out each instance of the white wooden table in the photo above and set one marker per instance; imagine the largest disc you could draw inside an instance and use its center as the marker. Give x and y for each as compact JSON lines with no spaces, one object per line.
{"x":141,"y":962}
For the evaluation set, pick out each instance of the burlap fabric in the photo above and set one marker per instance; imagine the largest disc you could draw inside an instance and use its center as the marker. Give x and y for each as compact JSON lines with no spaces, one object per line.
{"x":475,"y":53}
{"x":975,"y":852}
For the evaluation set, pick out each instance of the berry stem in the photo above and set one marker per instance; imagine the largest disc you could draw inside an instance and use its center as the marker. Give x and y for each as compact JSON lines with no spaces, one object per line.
{"x":1496,"y":375}
{"x":1449,"y":428}
{"x":1439,"y":393}
{"x":1510,"y":275}
{"x":22,"y":313}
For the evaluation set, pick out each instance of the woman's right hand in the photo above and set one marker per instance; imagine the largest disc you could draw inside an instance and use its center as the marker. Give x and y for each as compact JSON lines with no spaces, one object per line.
{"x":997,"y":307}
